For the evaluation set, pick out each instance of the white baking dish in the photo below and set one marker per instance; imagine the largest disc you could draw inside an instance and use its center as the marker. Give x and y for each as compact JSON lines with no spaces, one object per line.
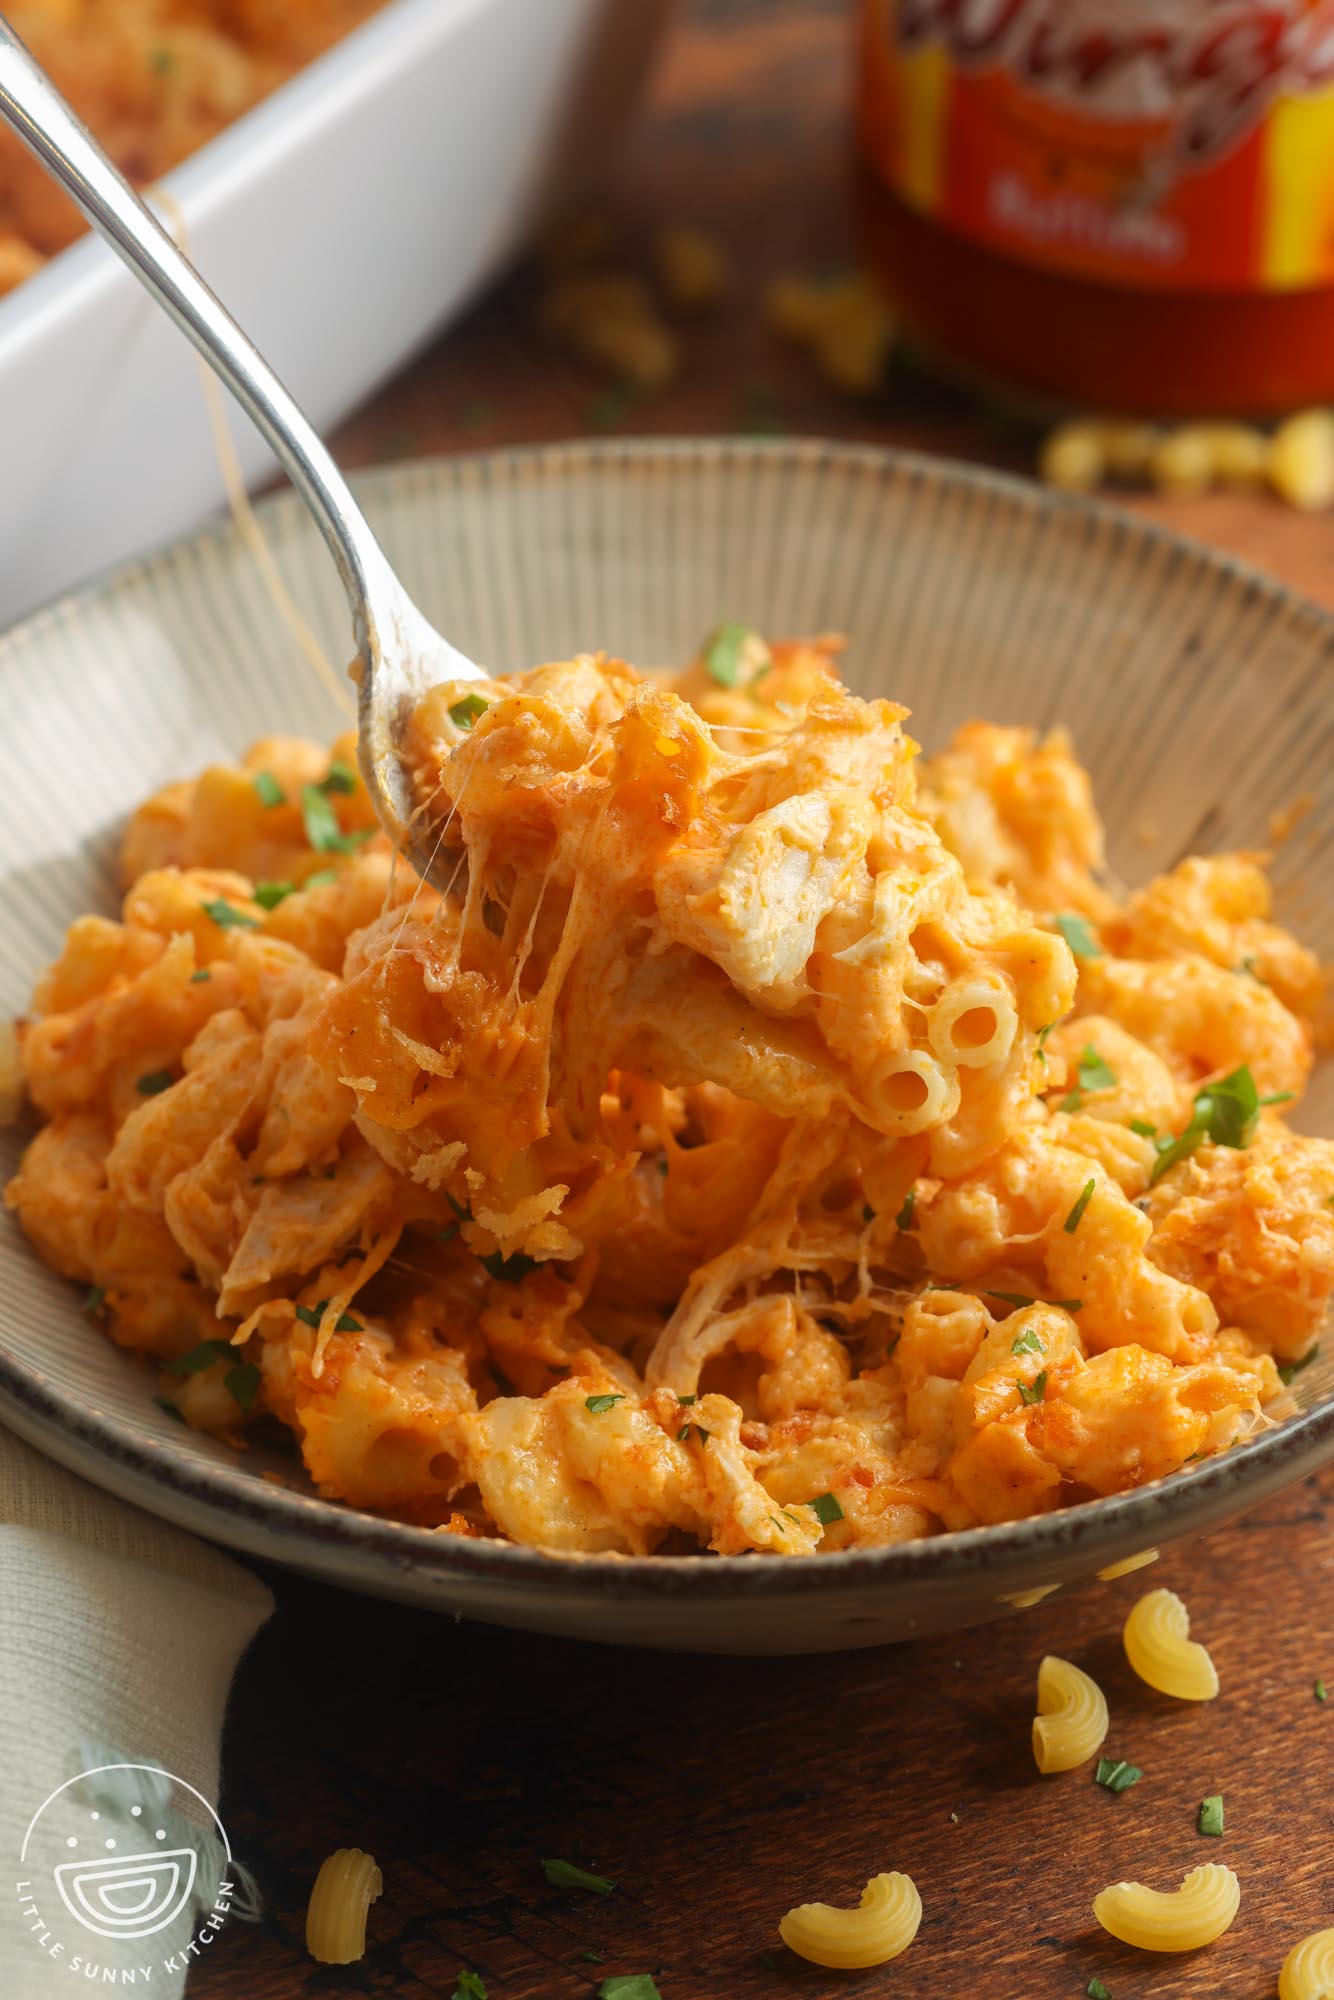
{"x":343,"y":221}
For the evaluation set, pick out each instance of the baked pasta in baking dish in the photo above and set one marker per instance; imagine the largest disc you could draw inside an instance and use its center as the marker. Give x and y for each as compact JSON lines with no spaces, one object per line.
{"x":773,"y":1141}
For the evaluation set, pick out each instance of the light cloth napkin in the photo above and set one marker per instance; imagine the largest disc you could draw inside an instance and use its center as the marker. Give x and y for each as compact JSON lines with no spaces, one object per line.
{"x":119,"y":1637}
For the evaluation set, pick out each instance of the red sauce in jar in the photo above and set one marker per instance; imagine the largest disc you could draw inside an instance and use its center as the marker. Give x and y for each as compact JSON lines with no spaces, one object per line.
{"x":1123,"y":204}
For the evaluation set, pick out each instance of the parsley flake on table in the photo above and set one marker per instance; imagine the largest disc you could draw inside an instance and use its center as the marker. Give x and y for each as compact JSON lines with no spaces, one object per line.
{"x":464,"y":713}
{"x":1115,"y":1775}
{"x":470,"y":1986}
{"x":564,"y":1875}
{"x":595,"y":1405}
{"x":270,"y":791}
{"x":590,"y":1957}
{"x":722,"y":655}
{"x":1320,"y":1691}
{"x":1078,"y":936}
{"x":826,"y":1509}
{"x":1076,"y":1215}
{"x":629,"y":1986}
{"x":226,"y":915}
{"x":1034,"y":1391}
{"x":1211,"y":1815}
{"x":1095,"y":1990}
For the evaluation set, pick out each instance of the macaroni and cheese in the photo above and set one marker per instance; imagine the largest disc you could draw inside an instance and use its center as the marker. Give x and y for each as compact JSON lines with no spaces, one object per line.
{"x":772,"y":1141}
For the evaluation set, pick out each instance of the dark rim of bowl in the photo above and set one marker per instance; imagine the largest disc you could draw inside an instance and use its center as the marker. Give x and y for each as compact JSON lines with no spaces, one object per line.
{"x":1137,"y":1518}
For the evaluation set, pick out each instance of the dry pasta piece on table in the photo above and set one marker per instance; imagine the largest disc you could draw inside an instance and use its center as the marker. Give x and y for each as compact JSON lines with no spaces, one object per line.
{"x":1071,"y":1722}
{"x":1308,"y":1969}
{"x":1161,"y":1651}
{"x":346,"y":1886}
{"x":1177,"y":1920}
{"x":883,"y":1925}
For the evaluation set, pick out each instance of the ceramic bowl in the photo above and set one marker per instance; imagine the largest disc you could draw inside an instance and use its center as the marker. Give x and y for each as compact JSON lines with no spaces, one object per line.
{"x":1198,"y":692}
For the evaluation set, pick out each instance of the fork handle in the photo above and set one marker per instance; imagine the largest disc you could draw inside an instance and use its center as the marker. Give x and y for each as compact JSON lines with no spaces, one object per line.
{"x":30,"y":102}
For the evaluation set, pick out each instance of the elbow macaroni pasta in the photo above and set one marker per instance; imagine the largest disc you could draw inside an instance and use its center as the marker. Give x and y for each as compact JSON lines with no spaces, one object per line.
{"x":882,"y":1926}
{"x":1159,"y":1647}
{"x":741,"y":1157}
{"x":346,"y":1886}
{"x":1308,"y":1969}
{"x":1180,"y":1920}
{"x":1072,"y":1721}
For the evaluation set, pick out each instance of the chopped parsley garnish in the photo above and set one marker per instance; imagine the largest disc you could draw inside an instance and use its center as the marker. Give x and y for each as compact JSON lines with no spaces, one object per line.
{"x":1211,"y":1815}
{"x":722,"y":655}
{"x":699,"y":1430}
{"x":226,"y":915}
{"x":464,"y":713}
{"x":320,"y":879}
{"x":1095,"y":1990}
{"x":629,"y":1986}
{"x":1094,"y":1073}
{"x":1287,"y":1369}
{"x":1226,"y":1113}
{"x":1247,"y":968}
{"x":172,"y":1409}
{"x":206,"y":1355}
{"x":903,"y":1220}
{"x":156,"y":1081}
{"x":1029,"y":1342}
{"x":321,"y":824}
{"x":1143,"y":1127}
{"x":1034,"y":1391}
{"x":1042,"y":1040}
{"x":469,"y":1987}
{"x":508,"y":1269}
{"x":444,"y":1235}
{"x":340,"y":777}
{"x":1078,"y":936}
{"x":161,"y":61}
{"x":313,"y":1315}
{"x":269,"y":894}
{"x":270,"y":791}
{"x":826,"y":1509}
{"x":197,"y":978}
{"x":564,"y":1875}
{"x":868,"y":1213}
{"x":241,"y":1383}
{"x":1076,"y":1215}
{"x":686,"y":1401}
{"x":1278,"y":1097}
{"x":1321,"y":1691}
{"x":595,"y":1405}
{"x":94,"y":1300}
{"x":1115,"y":1775}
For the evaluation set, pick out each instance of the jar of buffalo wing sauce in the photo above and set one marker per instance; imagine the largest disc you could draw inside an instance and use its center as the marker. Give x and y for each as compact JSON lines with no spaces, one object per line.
{"x":1122,"y":204}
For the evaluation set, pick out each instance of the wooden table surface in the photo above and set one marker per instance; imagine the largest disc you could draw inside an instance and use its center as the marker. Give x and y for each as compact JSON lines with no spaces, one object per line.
{"x":719,"y":1792}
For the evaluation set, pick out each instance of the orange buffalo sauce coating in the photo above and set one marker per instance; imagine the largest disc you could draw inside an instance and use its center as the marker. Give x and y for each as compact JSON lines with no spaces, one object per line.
{"x":733,"y":1156}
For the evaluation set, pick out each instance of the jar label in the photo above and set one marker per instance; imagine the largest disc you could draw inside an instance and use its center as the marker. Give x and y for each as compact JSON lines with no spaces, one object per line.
{"x":1183,"y":144}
